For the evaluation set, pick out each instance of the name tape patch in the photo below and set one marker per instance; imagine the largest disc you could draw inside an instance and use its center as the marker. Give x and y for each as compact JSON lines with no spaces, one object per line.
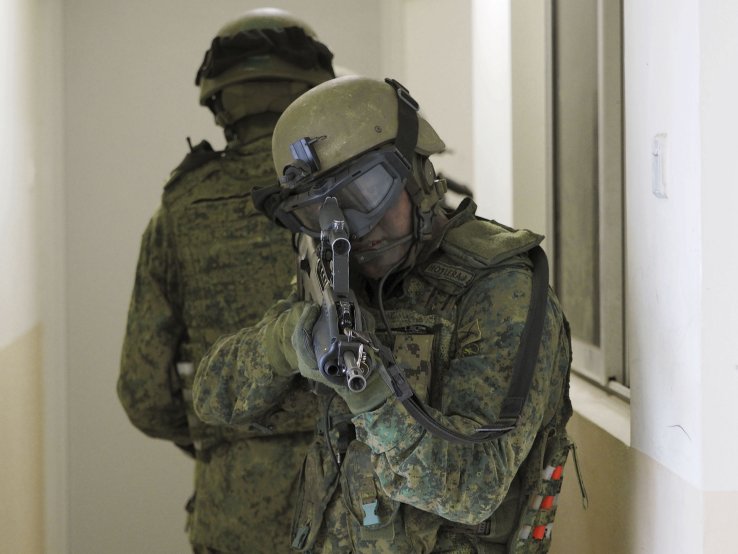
{"x":449,"y":273}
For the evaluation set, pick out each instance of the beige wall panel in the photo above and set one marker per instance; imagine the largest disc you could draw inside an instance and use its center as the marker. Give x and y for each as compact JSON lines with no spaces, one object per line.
{"x":607,"y":466}
{"x":21,"y":479}
{"x":437,"y":45}
{"x":636,"y":505}
{"x":530,"y":113}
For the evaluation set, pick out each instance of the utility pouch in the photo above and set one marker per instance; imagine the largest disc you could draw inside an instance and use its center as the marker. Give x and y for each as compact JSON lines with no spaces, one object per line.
{"x":497,"y":528}
{"x":375,"y":520}
{"x":421,"y":345}
{"x":317,"y":483}
{"x":542,"y":482}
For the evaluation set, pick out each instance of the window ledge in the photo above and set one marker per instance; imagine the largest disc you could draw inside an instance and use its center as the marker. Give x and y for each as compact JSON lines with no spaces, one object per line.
{"x":607,"y":411}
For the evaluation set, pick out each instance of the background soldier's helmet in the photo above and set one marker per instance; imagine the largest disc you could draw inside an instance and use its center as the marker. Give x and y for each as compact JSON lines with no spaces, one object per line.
{"x":354,"y":136}
{"x":266,"y":51}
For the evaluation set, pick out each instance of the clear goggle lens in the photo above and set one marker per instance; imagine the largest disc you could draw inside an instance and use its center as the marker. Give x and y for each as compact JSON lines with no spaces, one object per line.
{"x":365,"y":190}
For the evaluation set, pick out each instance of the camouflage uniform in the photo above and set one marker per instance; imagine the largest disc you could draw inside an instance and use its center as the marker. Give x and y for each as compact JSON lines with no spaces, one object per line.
{"x":457,"y":317}
{"x":210,"y":265}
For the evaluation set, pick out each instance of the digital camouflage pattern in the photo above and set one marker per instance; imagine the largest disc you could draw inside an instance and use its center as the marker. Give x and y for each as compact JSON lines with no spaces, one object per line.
{"x":209,"y":265}
{"x":457,"y":317}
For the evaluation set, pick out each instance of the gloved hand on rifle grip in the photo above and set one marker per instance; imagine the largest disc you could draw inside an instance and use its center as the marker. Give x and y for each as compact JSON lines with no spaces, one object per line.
{"x":375,"y":393}
{"x":302,"y":341}
{"x":278,"y":336}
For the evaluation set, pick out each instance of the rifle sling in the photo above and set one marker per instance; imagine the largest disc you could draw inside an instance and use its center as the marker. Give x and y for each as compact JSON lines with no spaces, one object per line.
{"x":517,"y":392}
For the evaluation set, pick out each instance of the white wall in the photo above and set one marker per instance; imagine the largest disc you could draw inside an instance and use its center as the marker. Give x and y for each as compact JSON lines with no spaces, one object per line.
{"x":436,"y":47}
{"x":52,"y":225}
{"x":664,"y":242}
{"x":129,"y":72}
{"x":454,"y":57}
{"x":682,"y":304}
{"x":18,"y":235}
{"x":678,"y":478}
{"x":719,"y":359}
{"x":30,"y":153}
{"x":718,"y":110}
{"x":20,"y":519}
{"x":492,"y":109}
{"x":530,"y":115}
{"x":681,"y":300}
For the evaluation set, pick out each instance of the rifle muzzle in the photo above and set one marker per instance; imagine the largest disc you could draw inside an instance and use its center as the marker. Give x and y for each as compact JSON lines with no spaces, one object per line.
{"x":355,"y":380}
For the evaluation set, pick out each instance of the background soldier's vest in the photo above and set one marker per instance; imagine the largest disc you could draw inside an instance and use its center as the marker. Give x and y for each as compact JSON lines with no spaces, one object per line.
{"x":232,"y":265}
{"x":423,"y":325}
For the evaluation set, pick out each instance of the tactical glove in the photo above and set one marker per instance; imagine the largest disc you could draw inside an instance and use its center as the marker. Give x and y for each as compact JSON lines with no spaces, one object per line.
{"x":375,"y":393}
{"x":277,"y":336}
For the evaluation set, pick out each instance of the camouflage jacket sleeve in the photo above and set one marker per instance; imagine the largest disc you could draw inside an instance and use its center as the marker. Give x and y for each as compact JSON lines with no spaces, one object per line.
{"x":235,"y":383}
{"x":147,"y":384}
{"x":459,"y":482}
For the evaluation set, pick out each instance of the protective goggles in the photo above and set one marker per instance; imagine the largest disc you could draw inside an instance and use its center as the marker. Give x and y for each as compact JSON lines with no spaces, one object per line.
{"x":365,"y":190}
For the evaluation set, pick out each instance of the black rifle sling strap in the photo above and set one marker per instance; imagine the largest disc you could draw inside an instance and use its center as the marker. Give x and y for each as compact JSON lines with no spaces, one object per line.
{"x":525,"y":362}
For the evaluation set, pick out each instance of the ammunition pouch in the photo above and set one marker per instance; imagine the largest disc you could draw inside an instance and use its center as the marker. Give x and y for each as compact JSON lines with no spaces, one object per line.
{"x":542,"y":480}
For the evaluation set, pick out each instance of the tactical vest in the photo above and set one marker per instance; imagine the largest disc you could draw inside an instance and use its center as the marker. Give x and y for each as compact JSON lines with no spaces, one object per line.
{"x":423,"y":325}
{"x":231,"y":265}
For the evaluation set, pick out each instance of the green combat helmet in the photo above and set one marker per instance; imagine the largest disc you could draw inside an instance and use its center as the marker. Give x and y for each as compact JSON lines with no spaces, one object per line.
{"x":362,"y":140}
{"x":259,"y":63}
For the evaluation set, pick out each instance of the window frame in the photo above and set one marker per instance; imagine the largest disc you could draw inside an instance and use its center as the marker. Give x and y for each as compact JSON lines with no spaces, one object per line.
{"x":603,"y":364}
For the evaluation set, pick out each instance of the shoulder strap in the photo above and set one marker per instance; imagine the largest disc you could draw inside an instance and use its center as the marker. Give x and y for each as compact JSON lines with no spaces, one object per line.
{"x":199,"y":155}
{"x":530,"y":341}
{"x":517,"y":393}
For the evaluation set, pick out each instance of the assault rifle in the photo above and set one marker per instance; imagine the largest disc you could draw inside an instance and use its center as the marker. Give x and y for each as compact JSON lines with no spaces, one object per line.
{"x":323,"y":277}
{"x":341,"y":346}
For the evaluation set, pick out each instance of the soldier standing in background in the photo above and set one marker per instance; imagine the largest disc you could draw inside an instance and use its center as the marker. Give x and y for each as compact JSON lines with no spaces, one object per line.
{"x":209,"y":265}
